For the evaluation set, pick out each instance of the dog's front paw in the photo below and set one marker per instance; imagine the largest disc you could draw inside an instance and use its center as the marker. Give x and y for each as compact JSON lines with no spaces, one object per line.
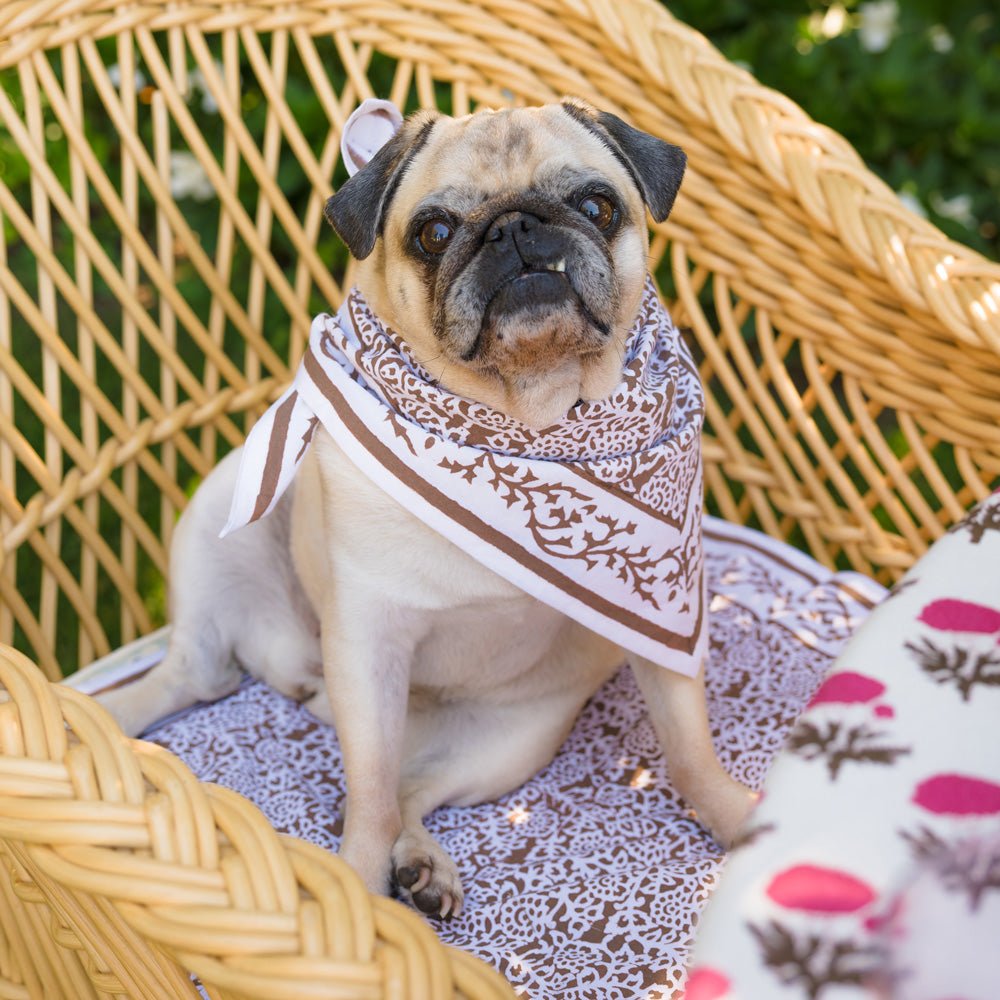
{"x":426,"y":873}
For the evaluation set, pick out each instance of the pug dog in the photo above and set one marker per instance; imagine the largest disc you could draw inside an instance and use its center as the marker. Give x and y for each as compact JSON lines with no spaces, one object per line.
{"x":509,"y":250}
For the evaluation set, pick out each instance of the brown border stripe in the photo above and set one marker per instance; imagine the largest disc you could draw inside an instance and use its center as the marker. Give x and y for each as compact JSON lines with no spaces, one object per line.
{"x":797,"y":570}
{"x":831,"y":577}
{"x":275,"y":452}
{"x":469,"y":521}
{"x":589,"y":477}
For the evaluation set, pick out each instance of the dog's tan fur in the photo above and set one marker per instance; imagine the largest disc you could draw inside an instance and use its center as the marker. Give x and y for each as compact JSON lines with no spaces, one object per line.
{"x":445,"y":683}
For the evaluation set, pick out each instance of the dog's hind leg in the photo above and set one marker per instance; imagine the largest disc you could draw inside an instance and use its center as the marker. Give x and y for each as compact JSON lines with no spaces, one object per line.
{"x":207,"y":611}
{"x":234,"y":602}
{"x":256,"y":629}
{"x":197,"y":667}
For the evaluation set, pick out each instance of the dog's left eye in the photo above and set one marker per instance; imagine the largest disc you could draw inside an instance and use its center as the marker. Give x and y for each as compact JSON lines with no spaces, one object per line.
{"x":600,"y":210}
{"x":435,"y":235}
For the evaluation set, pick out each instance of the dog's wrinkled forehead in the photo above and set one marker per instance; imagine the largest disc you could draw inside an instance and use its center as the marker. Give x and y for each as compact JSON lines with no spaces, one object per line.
{"x":491,"y":152}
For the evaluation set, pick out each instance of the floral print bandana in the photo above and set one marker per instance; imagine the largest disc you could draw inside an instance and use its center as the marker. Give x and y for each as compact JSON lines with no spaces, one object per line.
{"x":598,"y":515}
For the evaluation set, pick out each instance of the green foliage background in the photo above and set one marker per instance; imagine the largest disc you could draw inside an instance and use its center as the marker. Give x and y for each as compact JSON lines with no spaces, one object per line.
{"x":924,"y":113}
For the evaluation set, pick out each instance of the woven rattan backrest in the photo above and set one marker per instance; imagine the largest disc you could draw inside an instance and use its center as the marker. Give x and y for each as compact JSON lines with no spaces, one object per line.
{"x":852,"y":354}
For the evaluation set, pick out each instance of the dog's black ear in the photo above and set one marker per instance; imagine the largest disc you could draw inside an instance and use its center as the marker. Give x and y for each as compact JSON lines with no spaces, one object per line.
{"x":656,"y":167}
{"x":357,"y":211}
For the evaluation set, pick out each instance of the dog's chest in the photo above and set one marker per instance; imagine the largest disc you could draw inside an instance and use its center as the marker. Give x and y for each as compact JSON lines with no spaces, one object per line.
{"x":469,"y":619}
{"x":373,"y":542}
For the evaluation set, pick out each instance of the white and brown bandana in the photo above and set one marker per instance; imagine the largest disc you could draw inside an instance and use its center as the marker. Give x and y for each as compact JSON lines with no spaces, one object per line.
{"x":598,"y":515}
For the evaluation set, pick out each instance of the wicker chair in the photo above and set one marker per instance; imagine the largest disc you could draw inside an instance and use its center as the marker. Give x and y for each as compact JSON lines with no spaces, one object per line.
{"x":852,"y":357}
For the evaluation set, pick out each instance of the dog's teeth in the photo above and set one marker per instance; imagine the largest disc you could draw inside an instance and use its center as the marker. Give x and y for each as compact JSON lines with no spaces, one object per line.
{"x":559,"y":265}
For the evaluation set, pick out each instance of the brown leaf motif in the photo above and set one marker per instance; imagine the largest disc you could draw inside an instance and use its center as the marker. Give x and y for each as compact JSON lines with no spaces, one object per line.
{"x":813,"y":962}
{"x":966,"y":866}
{"x":553,"y":511}
{"x":837,"y":743}
{"x":750,"y":835}
{"x":307,"y":437}
{"x":398,"y":428}
{"x":959,"y":666}
{"x":982,"y":519}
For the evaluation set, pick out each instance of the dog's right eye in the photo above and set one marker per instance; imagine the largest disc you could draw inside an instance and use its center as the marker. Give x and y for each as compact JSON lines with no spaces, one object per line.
{"x":435,"y":235}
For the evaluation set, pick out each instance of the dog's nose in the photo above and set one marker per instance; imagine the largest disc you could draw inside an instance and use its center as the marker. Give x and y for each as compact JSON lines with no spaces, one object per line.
{"x":525,"y":235}
{"x":511,"y":226}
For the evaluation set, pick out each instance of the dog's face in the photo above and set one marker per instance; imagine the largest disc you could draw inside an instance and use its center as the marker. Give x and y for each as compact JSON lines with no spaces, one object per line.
{"x":509,"y":248}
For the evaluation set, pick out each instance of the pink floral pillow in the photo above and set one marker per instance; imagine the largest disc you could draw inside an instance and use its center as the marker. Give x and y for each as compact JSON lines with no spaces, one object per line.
{"x":871,"y":868}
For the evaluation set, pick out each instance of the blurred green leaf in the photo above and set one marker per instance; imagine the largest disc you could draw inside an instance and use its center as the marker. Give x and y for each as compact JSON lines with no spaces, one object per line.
{"x":924,"y":113}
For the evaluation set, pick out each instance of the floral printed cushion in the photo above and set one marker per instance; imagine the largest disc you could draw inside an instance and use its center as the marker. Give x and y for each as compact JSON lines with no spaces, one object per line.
{"x":871,"y":868}
{"x":587,"y":882}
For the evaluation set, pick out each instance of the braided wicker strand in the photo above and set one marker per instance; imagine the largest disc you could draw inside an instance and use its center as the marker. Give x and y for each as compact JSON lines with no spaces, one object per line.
{"x":114,"y":842}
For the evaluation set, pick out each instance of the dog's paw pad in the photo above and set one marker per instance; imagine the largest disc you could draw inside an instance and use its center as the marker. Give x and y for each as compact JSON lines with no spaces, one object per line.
{"x":414,"y":877}
{"x":432,"y":883}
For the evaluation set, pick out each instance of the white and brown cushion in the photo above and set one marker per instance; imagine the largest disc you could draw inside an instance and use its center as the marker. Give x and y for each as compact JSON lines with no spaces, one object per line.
{"x":872,"y":866}
{"x":589,"y":880}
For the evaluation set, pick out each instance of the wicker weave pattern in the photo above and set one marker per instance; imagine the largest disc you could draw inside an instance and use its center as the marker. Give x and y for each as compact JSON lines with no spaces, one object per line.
{"x":849,"y":348}
{"x":851,"y":353}
{"x":120,"y":871}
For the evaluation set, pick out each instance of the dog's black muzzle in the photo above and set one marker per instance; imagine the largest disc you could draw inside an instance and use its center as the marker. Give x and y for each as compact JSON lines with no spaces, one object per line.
{"x":524,"y":259}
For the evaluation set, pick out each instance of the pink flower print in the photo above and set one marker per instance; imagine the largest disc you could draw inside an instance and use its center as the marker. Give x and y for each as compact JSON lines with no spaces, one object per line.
{"x":837,"y":738}
{"x":819,"y":890}
{"x":705,"y":983}
{"x":965,"y":666}
{"x":958,"y":795}
{"x":818,"y":950}
{"x":847,"y":688}
{"x":952,"y":615}
{"x":879,"y":922}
